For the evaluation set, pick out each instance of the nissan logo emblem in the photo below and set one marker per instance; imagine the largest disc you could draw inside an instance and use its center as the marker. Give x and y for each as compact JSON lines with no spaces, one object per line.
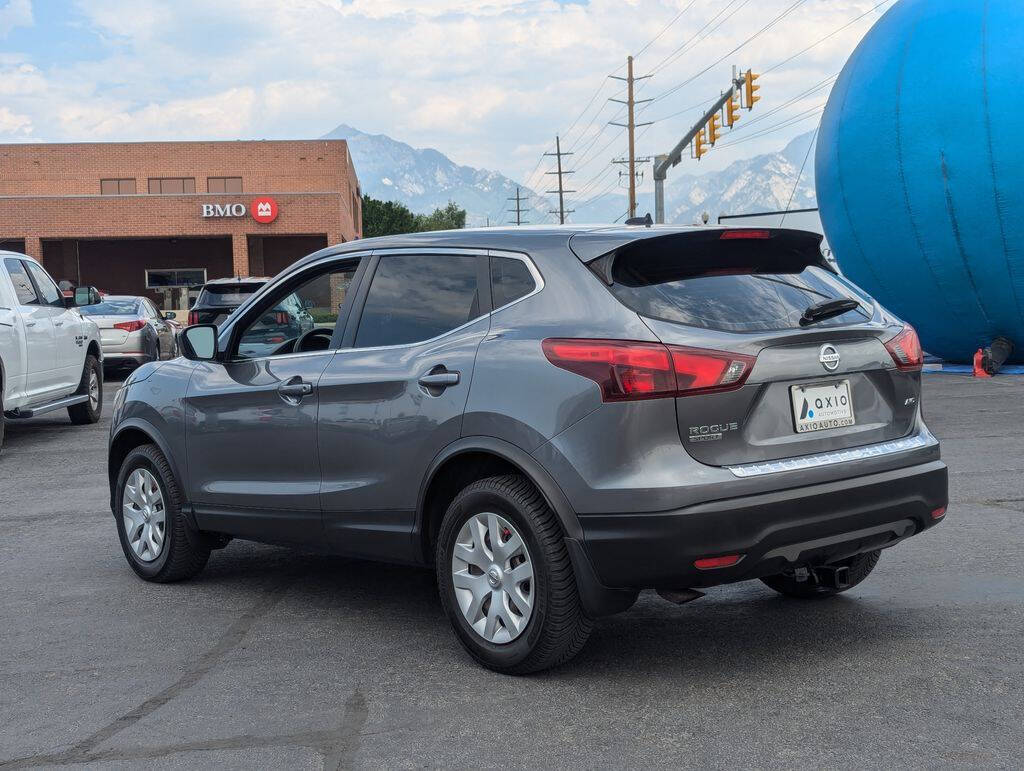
{"x":829,"y":357}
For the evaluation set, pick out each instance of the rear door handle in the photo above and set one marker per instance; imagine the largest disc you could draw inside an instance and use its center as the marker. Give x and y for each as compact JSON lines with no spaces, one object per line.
{"x":30,"y":323}
{"x":58,"y":323}
{"x":437,"y":380}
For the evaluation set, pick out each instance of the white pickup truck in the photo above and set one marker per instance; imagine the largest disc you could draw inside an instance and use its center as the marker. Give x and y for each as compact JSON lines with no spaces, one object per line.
{"x":50,"y":355}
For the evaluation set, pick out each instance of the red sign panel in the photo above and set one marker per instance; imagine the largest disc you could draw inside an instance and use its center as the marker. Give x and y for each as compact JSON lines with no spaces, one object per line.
{"x":264,"y":210}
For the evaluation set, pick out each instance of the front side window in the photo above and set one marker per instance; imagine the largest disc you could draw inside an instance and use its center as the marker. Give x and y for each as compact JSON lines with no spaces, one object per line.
{"x":284,"y":319}
{"x":50,"y":293}
{"x":23,"y":289}
{"x":418,"y":297}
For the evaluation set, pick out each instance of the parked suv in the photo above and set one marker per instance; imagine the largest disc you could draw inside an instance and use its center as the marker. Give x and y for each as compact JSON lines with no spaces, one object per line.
{"x":553,"y":418}
{"x":50,"y":356}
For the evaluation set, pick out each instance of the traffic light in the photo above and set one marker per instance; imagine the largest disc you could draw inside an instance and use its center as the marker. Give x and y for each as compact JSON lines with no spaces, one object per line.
{"x":698,"y":145}
{"x":752,"y":89}
{"x":732,"y":110}
{"x":713,"y":126}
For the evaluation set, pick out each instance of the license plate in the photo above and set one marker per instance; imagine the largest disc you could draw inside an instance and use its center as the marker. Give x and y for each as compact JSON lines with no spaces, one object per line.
{"x":819,"y":407}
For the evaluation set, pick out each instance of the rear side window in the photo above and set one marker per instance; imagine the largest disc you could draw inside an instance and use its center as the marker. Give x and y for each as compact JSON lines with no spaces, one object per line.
{"x":740,"y":286}
{"x":510,"y":280}
{"x":417,"y":297}
{"x":227,"y":295}
{"x":23,"y":288}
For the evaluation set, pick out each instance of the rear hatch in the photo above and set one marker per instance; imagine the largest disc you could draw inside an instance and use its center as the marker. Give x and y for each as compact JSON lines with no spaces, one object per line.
{"x":218,"y":301}
{"x":796,"y":388}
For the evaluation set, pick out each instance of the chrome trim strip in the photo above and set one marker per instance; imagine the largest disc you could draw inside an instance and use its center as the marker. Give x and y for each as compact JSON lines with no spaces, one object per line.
{"x":923,"y":438}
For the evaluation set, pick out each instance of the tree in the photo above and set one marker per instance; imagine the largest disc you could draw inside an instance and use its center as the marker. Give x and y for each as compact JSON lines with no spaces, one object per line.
{"x":387,"y":218}
{"x":451,"y":217}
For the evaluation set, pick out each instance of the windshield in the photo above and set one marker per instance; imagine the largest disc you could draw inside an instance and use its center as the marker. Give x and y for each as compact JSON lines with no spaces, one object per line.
{"x":112,"y":308}
{"x":733,"y":287}
{"x":231,"y":295}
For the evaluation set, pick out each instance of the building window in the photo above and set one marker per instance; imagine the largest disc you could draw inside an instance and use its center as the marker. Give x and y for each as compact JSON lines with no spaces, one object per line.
{"x":172,"y":185}
{"x":177,"y":277}
{"x":117,"y":186}
{"x":223,"y":184}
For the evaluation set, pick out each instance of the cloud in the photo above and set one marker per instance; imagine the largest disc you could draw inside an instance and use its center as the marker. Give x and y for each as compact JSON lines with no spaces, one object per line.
{"x":16,"y":13}
{"x":13,"y":125}
{"x":488,"y":82}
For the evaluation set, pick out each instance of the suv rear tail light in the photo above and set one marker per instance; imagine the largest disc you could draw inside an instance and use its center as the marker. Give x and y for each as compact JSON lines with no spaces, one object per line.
{"x":281,"y":318}
{"x":130,"y":326}
{"x":628,"y":370}
{"x":193,"y":318}
{"x":905,"y":349}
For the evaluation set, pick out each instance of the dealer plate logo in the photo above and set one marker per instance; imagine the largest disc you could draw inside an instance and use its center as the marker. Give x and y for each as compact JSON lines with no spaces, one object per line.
{"x":264,"y":210}
{"x":829,"y":357}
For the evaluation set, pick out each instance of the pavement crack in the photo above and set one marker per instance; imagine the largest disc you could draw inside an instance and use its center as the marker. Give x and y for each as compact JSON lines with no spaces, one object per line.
{"x":229,"y":640}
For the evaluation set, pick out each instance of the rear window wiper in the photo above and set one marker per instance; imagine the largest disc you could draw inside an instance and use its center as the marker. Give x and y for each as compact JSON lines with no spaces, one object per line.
{"x":828,"y":310}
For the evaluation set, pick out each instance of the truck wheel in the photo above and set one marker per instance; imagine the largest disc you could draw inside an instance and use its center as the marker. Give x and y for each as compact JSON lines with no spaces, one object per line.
{"x":860,"y":567}
{"x":90,"y":410}
{"x":2,"y":418}
{"x":157,"y":540}
{"x":505,"y":578}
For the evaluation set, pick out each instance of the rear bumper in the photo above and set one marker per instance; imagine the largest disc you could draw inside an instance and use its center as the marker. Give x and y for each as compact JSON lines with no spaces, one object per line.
{"x":121,"y":359}
{"x":814,"y":524}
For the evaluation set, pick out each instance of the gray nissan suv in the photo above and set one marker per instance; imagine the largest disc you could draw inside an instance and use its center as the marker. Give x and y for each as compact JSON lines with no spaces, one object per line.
{"x":552,"y":418}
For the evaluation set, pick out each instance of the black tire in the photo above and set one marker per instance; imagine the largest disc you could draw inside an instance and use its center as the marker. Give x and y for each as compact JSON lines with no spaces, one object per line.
{"x":85,"y":413}
{"x":558,"y":627}
{"x":860,"y":567}
{"x":3,"y":420}
{"x":185,"y":550}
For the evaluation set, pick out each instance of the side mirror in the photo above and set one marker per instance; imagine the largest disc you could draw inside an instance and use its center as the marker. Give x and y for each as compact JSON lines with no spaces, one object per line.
{"x":169,"y":315}
{"x":199,"y":342}
{"x":86,"y":295}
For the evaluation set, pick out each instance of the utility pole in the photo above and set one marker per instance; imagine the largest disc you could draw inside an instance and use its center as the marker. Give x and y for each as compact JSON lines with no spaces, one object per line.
{"x":630,"y":126}
{"x":518,"y":210}
{"x":562,"y":211}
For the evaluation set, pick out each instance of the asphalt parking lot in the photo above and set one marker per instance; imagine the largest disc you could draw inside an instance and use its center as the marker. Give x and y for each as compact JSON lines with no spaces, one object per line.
{"x":278,"y":658}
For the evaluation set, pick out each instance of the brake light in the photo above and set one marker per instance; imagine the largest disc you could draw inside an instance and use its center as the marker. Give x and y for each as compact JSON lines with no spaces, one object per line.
{"x":742,"y":235}
{"x":905,"y":350}
{"x":193,"y":318}
{"x":710,"y":563}
{"x":130,"y":326}
{"x":628,"y":371}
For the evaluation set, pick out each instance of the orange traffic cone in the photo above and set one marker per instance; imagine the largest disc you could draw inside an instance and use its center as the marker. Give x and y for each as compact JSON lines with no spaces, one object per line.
{"x":979,"y":367}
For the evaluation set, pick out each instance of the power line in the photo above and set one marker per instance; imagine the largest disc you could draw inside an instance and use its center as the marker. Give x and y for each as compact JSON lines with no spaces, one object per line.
{"x":799,"y":175}
{"x":665,"y":29}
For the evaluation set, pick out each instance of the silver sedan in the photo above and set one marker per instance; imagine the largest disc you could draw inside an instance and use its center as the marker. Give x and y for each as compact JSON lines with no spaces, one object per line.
{"x":132,"y":330}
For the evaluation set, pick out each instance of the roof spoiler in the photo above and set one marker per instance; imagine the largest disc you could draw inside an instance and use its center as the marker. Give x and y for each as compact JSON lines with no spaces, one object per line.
{"x":599,"y":249}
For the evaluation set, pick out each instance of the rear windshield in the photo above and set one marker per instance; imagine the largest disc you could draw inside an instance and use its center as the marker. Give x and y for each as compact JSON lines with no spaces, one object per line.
{"x":112,"y":308}
{"x":733,"y":287}
{"x":227,"y":295}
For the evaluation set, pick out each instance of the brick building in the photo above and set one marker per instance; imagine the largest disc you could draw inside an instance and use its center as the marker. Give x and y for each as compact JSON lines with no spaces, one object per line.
{"x":155,"y":218}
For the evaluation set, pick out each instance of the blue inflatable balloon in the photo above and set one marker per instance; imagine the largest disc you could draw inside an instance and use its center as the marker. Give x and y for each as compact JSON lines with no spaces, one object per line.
{"x":920,"y":170}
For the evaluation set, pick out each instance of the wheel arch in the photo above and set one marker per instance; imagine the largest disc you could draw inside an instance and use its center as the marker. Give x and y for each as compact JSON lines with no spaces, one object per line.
{"x":477,"y":457}
{"x":130,"y":434}
{"x":94,"y":349}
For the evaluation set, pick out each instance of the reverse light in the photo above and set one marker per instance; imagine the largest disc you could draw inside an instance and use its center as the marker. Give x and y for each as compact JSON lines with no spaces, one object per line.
{"x":905,"y":350}
{"x":743,"y":235}
{"x":627,"y":370}
{"x":710,"y":563}
{"x":130,"y":326}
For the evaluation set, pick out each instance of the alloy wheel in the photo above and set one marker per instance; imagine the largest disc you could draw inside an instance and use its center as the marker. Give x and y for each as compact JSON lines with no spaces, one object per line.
{"x":145,"y":523}
{"x":94,"y":390}
{"x":492,"y":574}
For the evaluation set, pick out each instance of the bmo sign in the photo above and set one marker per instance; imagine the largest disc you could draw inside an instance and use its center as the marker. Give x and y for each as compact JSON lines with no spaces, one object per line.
{"x":264,"y":210}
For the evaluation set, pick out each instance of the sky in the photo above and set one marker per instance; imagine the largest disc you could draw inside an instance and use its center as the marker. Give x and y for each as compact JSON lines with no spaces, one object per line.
{"x":487,"y":83}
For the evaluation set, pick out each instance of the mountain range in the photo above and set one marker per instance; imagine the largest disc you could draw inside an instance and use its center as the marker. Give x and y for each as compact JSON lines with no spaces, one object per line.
{"x":424,"y":179}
